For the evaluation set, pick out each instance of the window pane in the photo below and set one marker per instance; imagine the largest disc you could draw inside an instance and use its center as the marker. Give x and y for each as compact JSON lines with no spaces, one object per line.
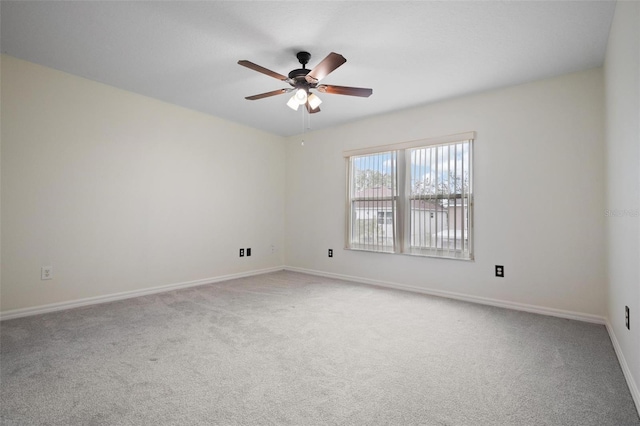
{"x":373,"y":199}
{"x":439,"y":200}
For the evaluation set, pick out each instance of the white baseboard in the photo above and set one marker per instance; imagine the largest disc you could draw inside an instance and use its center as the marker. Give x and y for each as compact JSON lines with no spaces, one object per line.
{"x":42,"y":309}
{"x":53,"y":307}
{"x":633,"y":387}
{"x":459,"y":296}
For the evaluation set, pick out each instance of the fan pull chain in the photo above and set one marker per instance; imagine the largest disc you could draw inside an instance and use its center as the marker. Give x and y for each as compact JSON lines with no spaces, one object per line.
{"x":303,"y":130}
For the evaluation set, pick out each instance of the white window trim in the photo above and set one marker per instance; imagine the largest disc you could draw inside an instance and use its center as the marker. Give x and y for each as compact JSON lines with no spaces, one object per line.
{"x":440,"y":140}
{"x":401,"y":245}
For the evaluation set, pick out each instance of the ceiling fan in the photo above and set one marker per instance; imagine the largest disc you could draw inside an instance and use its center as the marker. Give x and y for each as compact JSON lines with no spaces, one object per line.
{"x":302,"y":81}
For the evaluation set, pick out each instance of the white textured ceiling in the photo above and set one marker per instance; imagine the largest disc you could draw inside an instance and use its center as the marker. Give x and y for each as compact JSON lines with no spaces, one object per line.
{"x":410,"y":53}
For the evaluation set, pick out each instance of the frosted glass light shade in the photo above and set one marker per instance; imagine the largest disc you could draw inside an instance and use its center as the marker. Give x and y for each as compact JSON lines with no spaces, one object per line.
{"x":293,"y":103}
{"x":301,"y":96}
{"x":314,"y":101}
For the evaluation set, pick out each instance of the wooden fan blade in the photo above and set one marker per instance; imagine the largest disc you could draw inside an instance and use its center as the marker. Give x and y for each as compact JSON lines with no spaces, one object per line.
{"x":344,"y":90}
{"x":324,"y":68}
{"x":263,"y":70}
{"x":311,"y":111}
{"x":267,"y":94}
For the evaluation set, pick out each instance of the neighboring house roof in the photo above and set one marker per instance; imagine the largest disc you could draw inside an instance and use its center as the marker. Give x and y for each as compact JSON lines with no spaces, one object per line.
{"x":377,"y":192}
{"x":382,"y":192}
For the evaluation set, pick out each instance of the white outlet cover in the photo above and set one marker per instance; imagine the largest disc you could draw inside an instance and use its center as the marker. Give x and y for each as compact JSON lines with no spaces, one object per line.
{"x":46,"y":273}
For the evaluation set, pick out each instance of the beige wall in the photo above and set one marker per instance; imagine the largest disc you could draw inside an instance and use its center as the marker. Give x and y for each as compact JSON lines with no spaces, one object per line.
{"x":539,"y":195}
{"x":120,"y":192}
{"x":622,"y":83}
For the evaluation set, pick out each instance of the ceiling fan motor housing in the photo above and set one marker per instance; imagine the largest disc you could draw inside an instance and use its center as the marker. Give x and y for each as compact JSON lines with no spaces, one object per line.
{"x":299,"y":73}
{"x":297,"y":76}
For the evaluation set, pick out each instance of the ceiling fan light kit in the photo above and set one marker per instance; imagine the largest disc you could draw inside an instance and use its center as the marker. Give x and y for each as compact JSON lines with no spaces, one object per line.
{"x":303,"y":81}
{"x":301,"y":96}
{"x":314,"y":101}
{"x":293,"y":103}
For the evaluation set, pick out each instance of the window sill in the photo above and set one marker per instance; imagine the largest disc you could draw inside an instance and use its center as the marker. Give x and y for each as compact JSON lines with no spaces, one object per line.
{"x":414,"y":254}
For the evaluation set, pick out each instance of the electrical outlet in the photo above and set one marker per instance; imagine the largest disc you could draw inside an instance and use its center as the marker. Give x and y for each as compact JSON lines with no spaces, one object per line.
{"x":500,"y":271}
{"x":330,"y":252}
{"x":626,"y":317}
{"x":241,"y":252}
{"x":248,"y":252}
{"x":46,"y":273}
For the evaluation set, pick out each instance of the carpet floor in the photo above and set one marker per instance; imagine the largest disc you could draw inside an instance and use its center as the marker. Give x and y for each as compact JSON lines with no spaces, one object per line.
{"x":293,"y":349}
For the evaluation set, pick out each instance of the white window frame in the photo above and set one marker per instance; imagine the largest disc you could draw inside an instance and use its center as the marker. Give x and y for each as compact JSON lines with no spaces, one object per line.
{"x":462,"y":250}
{"x":374,"y":203}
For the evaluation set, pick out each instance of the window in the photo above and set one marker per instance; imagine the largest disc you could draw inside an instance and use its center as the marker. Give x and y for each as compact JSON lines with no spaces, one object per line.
{"x":414,"y":198}
{"x":373,"y":201}
{"x":384,"y":214}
